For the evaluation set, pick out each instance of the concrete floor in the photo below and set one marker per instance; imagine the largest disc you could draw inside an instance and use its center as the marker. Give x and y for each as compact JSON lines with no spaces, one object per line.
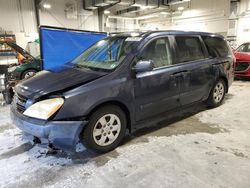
{"x":205,"y":148}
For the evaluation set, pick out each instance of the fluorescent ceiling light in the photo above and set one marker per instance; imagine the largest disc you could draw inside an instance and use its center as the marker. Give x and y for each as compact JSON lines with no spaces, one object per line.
{"x":151,"y":6}
{"x":164,"y":13}
{"x":111,"y":1}
{"x":137,"y":5}
{"x":178,"y":2}
{"x":134,"y":34}
{"x":143,"y":7}
{"x":101,"y":4}
{"x":106,"y":12}
{"x":181,"y":8}
{"x":47,"y":6}
{"x":124,"y":3}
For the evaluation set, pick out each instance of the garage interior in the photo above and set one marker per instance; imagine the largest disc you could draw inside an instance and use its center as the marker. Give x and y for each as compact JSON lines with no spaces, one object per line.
{"x":201,"y":147}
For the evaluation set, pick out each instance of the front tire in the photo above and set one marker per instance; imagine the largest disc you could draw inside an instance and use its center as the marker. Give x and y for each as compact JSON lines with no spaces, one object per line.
{"x":217,"y":94}
{"x":28,"y":73}
{"x":8,"y":95}
{"x":106,"y":129}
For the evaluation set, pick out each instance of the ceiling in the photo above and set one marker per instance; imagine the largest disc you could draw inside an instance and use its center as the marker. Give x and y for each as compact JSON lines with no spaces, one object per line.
{"x":134,"y":8}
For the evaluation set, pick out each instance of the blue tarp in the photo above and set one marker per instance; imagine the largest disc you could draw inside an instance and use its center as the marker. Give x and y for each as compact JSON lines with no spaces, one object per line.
{"x":59,"y":46}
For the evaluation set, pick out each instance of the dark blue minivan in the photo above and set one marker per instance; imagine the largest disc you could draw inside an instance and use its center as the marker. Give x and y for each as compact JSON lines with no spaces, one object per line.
{"x":124,"y":82}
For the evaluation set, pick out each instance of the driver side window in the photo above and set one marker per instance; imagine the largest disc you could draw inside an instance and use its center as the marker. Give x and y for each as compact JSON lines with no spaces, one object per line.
{"x":158,"y":51}
{"x":244,"y":48}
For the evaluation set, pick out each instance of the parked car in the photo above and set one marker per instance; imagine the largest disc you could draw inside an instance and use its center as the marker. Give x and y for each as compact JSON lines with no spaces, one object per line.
{"x":124,"y":82}
{"x":242,"y":54}
{"x":27,"y":67}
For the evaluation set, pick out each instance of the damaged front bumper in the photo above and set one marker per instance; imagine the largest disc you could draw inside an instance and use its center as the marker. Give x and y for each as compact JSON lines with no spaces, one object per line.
{"x":61,"y":134}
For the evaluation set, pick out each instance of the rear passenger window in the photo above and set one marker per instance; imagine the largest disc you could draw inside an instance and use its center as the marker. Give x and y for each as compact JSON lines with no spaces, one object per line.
{"x":217,"y":47}
{"x":189,"y":48}
{"x":158,"y":51}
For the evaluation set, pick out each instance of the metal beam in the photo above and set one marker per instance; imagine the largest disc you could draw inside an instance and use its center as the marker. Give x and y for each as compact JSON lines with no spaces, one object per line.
{"x":37,"y":7}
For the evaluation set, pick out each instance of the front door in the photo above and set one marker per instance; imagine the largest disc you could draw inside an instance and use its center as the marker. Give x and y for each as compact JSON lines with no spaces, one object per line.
{"x":156,"y":91}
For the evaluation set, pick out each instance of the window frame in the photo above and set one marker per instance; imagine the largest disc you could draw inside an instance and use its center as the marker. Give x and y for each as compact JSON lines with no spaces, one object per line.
{"x":171,"y":50}
{"x":203,"y":48}
{"x":241,"y":46}
{"x":106,"y":70}
{"x":218,"y":38}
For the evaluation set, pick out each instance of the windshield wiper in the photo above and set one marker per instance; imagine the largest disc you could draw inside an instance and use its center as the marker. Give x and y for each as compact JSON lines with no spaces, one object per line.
{"x":90,"y":68}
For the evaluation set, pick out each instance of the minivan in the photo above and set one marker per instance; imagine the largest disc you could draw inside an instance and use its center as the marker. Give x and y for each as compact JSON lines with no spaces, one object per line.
{"x":123,"y":83}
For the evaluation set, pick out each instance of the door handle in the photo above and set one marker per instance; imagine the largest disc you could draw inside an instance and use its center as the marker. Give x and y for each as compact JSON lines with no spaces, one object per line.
{"x":224,"y":62}
{"x":180,"y":73}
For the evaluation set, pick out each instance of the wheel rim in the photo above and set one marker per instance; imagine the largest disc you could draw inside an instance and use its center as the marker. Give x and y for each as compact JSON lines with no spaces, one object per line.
{"x":218,"y":92}
{"x":107,"y":129}
{"x":29,"y":74}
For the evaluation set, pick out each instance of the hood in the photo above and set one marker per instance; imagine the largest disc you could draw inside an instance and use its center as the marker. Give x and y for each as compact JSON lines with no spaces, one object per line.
{"x":46,"y":82}
{"x":19,"y":49}
{"x":242,"y":56}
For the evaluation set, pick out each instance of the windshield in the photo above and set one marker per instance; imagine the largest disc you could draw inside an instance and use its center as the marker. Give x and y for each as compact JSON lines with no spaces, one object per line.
{"x":106,"y":54}
{"x":244,"y":48}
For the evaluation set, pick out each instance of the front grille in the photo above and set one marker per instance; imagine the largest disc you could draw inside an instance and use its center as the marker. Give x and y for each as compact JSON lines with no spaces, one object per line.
{"x":242,"y":66}
{"x":20,"y":103}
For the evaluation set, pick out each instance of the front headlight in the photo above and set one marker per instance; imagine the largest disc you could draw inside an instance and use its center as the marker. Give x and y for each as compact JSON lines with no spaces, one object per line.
{"x":44,"y":109}
{"x":11,"y":69}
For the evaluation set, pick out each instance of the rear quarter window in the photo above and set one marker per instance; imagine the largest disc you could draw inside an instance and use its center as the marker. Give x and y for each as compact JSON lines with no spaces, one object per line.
{"x":217,"y":47}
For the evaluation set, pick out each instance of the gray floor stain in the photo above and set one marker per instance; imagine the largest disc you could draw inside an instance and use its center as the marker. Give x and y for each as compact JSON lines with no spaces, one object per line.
{"x":222,"y":149}
{"x":39,"y":178}
{"x":88,"y":155}
{"x":210,"y":153}
{"x":240,"y":154}
{"x":233,"y":151}
{"x":103,"y":159}
{"x":16,"y":151}
{"x":189,"y":125}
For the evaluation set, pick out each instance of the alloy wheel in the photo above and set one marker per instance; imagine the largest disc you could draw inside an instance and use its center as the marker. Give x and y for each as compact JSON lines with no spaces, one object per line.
{"x":218,"y":92}
{"x":106,"y":129}
{"x":29,"y":74}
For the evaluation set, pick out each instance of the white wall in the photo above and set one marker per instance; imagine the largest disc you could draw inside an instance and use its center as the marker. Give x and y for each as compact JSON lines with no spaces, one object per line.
{"x":56,"y":16}
{"x":243,"y":31}
{"x":19,"y":18}
{"x":200,"y":15}
{"x":22,"y":39}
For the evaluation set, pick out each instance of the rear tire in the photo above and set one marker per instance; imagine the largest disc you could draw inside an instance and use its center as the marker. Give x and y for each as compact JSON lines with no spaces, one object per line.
{"x":217,"y":94}
{"x":106,"y":129}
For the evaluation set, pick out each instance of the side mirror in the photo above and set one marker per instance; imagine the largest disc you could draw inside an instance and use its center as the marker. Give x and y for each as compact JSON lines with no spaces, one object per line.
{"x":144,"y":66}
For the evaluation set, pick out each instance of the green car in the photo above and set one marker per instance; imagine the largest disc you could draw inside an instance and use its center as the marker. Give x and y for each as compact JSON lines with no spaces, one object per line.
{"x":29,"y":66}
